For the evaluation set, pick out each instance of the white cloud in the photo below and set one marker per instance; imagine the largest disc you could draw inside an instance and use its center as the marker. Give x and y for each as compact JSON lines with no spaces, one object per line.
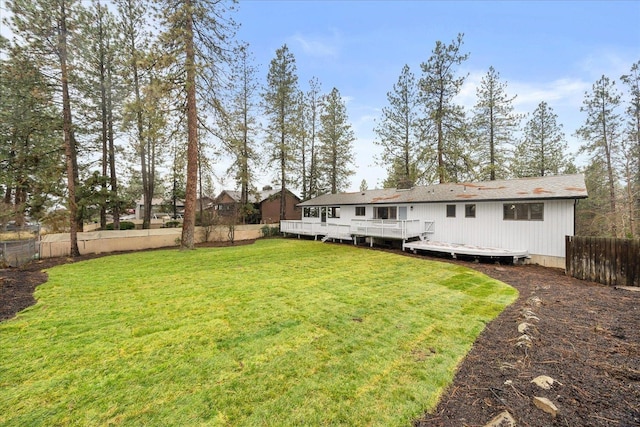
{"x":319,"y":46}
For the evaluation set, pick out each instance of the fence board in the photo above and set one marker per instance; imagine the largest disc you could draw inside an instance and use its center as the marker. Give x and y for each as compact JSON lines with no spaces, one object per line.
{"x":610,"y":261}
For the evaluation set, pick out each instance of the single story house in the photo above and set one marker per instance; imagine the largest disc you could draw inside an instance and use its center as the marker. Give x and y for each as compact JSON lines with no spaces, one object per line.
{"x":519,"y":218}
{"x":266,"y":204}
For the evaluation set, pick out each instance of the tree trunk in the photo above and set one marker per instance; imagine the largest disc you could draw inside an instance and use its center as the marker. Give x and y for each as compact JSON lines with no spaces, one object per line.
{"x":439,"y":115}
{"x":103,"y":117}
{"x":113,"y":180}
{"x":69,"y":140}
{"x":188,"y":224}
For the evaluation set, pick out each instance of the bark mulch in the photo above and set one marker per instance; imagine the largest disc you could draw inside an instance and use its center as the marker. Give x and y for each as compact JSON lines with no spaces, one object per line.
{"x":583,"y":335}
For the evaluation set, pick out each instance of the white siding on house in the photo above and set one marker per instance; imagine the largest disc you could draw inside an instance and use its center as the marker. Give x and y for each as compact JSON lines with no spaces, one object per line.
{"x":489,"y":229}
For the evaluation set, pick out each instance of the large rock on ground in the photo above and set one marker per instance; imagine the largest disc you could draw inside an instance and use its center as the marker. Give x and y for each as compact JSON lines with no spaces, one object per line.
{"x":503,"y":419}
{"x":546,"y":405}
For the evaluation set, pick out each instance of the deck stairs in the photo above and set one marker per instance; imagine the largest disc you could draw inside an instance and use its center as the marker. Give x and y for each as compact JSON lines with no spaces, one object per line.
{"x":336,"y":237}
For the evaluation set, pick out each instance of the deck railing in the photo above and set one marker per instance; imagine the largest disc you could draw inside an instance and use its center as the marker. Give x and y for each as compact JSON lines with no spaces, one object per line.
{"x":384,"y":228}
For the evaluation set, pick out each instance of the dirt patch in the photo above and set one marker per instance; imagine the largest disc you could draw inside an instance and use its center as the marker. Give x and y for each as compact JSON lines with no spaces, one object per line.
{"x":583,"y":335}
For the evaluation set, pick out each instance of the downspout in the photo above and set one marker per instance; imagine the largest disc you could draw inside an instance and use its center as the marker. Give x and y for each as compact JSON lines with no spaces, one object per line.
{"x":575,"y":209}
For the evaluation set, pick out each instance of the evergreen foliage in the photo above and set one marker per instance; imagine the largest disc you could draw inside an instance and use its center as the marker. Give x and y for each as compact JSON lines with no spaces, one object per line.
{"x":445,"y":121}
{"x":602,"y":133}
{"x":494,"y":126}
{"x":543,"y":148}
{"x":336,"y":143}
{"x":400,"y":133}
{"x":280,"y":106}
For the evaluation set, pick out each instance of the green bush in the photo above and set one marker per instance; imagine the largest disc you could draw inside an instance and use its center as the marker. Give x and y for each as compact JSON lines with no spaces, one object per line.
{"x":172,"y":224}
{"x":124,"y":225}
{"x":268,"y":231}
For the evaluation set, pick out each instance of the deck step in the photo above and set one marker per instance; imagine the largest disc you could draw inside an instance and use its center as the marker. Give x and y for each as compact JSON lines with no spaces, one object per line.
{"x":337,"y":237}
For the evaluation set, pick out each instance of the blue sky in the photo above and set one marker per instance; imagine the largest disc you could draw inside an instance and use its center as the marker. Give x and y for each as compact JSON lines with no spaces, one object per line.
{"x":549,"y":51}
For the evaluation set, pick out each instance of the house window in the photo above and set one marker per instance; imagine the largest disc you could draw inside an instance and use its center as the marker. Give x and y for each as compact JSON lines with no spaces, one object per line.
{"x":310,"y":212}
{"x":451,"y":211}
{"x":469,"y":211}
{"x":385,"y":212}
{"x":333,"y":212}
{"x":523,"y":211}
{"x":361,"y":211}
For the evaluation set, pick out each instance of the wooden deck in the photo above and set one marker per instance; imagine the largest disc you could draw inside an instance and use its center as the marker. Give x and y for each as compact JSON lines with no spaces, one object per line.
{"x":469,"y":250}
{"x":378,"y":228}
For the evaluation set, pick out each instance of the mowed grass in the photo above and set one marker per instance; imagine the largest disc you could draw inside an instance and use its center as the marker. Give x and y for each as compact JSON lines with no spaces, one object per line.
{"x":279,"y":333}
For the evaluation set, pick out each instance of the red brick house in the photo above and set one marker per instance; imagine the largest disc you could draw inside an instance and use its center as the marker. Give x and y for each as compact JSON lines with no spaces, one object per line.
{"x":266,"y":204}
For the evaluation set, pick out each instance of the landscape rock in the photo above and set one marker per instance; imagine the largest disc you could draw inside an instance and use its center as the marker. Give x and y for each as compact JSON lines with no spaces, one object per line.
{"x":546,"y":405}
{"x":530,"y":315}
{"x":544,"y":381}
{"x":524,"y":327}
{"x":503,"y":419}
{"x":534,"y":301}
{"x":524,"y":341}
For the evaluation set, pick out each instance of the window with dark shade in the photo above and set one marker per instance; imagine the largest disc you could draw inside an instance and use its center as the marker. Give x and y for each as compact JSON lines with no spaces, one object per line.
{"x":361,"y":211}
{"x":451,"y":211}
{"x":386,"y":212}
{"x":523,"y":211}
{"x":470,"y":211}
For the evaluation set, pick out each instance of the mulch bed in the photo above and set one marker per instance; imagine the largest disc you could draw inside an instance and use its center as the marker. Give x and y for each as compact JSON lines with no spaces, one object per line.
{"x":583,"y":335}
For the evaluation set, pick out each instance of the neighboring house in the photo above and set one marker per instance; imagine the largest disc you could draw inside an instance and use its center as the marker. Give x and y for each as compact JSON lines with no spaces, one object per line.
{"x":266,"y":204}
{"x":158,"y":208}
{"x":519,"y":218}
{"x":204,"y":203}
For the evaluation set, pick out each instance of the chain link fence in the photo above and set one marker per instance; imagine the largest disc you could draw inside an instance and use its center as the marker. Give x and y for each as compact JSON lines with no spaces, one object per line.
{"x":19,"y":246}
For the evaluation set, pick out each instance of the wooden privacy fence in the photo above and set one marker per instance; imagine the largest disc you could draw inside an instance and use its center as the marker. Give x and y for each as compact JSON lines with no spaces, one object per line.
{"x":609,"y":261}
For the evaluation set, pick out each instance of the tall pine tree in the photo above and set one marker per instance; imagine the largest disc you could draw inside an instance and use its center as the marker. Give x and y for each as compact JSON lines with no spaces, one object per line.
{"x":631,"y":148}
{"x":494,"y":126}
{"x":445,"y":122}
{"x":543,"y":149}
{"x":280,"y":106}
{"x":196,"y":39}
{"x":601,"y":133}
{"x":45,"y":28}
{"x":400,"y":134}
{"x":336,"y":138}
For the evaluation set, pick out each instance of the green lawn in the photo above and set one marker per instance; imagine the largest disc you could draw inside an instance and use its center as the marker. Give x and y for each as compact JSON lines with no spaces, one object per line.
{"x":279,"y":333}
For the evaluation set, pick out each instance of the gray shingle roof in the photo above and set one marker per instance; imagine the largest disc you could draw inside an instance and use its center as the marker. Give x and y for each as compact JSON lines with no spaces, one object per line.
{"x":548,"y":187}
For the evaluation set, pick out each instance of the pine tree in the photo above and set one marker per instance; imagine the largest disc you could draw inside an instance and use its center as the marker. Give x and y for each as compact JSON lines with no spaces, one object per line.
{"x":593,"y":217}
{"x":280,"y":105}
{"x":445,"y":121}
{"x":601,"y":133}
{"x":140,"y":72}
{"x":631,"y":148}
{"x":494,"y":125}
{"x":242,"y":126}
{"x":31,"y":159}
{"x":311,"y":113}
{"x":543,"y":149}
{"x":97,"y":84}
{"x":400,"y":133}
{"x":196,"y":39}
{"x":45,"y":28}
{"x":336,"y":138}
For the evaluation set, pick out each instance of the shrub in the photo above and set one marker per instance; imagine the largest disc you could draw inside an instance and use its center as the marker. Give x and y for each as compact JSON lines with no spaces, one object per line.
{"x":124,"y":225}
{"x":268,"y":231}
{"x":171,"y":224}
